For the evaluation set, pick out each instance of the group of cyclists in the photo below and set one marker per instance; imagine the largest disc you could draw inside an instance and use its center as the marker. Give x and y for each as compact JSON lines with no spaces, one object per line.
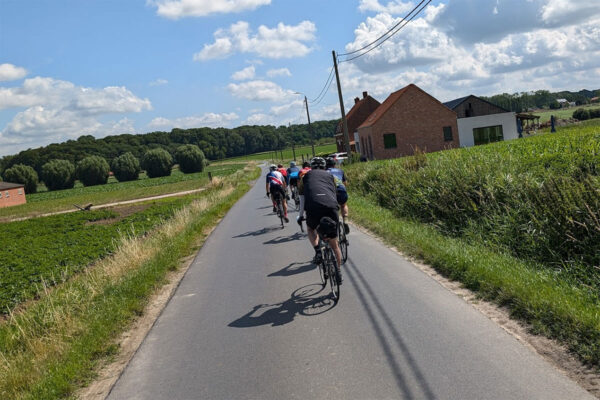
{"x":321,"y":188}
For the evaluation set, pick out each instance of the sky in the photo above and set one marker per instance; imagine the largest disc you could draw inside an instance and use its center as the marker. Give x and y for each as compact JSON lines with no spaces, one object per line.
{"x":102,"y":67}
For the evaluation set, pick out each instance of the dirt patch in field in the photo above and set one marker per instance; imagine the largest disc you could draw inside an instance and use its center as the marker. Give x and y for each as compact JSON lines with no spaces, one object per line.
{"x":552,"y":351}
{"x":124,"y":212}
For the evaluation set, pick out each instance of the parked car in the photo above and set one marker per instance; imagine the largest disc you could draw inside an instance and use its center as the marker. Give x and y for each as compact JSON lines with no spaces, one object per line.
{"x":339,"y":157}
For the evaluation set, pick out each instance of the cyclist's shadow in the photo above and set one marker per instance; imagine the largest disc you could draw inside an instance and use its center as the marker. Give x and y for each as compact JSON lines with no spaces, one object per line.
{"x":308,"y":300}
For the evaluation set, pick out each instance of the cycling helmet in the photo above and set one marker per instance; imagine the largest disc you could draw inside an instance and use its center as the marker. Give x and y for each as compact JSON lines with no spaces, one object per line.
{"x":305,"y":164}
{"x":330,"y":162}
{"x":292,"y":164}
{"x":317,"y":162}
{"x":272,"y":167}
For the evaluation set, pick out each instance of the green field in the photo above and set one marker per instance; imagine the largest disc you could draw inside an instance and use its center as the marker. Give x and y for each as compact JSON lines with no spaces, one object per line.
{"x":287,"y":153}
{"x":114,"y":191}
{"x":562,"y":113}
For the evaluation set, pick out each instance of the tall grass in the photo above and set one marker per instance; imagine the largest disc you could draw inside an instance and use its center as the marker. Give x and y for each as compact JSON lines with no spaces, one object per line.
{"x":538,"y":198}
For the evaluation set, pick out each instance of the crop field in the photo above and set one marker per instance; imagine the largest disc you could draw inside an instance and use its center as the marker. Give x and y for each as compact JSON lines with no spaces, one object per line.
{"x":287,"y":153}
{"x":51,"y":249}
{"x":537,"y":198}
{"x":113,"y":191}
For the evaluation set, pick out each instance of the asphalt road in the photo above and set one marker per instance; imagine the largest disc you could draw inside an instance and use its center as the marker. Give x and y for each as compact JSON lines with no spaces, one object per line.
{"x":251,"y":321}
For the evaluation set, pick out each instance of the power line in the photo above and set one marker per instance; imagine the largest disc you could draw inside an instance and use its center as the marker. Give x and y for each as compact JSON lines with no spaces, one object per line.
{"x":327,"y":91}
{"x":392,"y":34}
{"x":326,"y":86}
{"x":385,"y":34}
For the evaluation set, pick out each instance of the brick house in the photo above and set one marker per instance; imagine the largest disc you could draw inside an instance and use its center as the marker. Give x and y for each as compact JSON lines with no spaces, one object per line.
{"x":359,"y":112}
{"x":481,"y":122}
{"x":408,"y":119}
{"x":12,"y":194}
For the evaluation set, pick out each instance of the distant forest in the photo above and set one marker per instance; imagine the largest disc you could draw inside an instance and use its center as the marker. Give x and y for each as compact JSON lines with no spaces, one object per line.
{"x":216,"y":143}
{"x":526,"y":101}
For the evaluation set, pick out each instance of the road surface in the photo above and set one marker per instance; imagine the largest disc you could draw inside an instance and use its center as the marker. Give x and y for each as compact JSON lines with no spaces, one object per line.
{"x":250,"y":321}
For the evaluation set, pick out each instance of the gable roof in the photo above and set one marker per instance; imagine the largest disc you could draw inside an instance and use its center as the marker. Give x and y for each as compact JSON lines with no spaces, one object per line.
{"x":392,"y":98}
{"x":452,"y":104}
{"x":8,"y":185}
{"x":364,"y":102}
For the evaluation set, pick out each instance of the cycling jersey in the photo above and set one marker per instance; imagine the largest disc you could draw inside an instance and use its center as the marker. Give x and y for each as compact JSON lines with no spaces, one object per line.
{"x":283,"y":172}
{"x":319,"y":190}
{"x":275,"y":178}
{"x":293,"y":174}
{"x":338,"y":173}
{"x":303,"y":171}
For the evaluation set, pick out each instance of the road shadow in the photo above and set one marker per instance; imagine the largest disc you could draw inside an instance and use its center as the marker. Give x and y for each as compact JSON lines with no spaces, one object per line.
{"x":284,"y":239}
{"x":294,"y":269}
{"x":258,"y":232}
{"x":308,"y":300}
{"x":368,"y":296}
{"x":264,"y":208}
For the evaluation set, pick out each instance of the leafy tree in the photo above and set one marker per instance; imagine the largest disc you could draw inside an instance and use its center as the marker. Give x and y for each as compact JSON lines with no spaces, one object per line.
{"x":58,"y":174}
{"x":581,"y":114}
{"x":24,"y":174}
{"x":92,"y":170}
{"x":190,"y":158}
{"x":126,"y":167}
{"x":157,"y":162}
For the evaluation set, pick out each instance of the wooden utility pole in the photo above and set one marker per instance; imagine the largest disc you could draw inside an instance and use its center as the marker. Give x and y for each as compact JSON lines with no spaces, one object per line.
{"x":344,"y":122}
{"x":312,"y":138}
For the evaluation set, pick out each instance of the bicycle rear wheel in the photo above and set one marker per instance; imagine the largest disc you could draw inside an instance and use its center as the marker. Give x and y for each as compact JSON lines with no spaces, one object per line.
{"x":331,"y":265}
{"x":280,"y":212}
{"x":343,"y":242}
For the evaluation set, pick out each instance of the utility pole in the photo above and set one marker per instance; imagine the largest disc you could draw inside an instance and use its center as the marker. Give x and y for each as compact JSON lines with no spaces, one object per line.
{"x":344,"y":122}
{"x":312,"y":139}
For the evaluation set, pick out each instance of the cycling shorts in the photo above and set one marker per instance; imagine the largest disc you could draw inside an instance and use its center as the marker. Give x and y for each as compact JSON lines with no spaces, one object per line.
{"x":293,"y":181}
{"x":313,"y":218}
{"x":276,"y":191}
{"x":341,"y":195}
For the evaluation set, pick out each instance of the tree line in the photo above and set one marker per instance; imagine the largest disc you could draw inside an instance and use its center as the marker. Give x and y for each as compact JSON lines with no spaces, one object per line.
{"x":525,"y":101}
{"x":215,"y":143}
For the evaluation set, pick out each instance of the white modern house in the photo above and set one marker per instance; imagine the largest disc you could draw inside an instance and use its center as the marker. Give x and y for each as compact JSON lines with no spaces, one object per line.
{"x":481,"y":122}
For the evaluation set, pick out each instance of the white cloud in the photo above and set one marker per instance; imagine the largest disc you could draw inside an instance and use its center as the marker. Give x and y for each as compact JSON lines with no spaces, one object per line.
{"x":159,"y":82}
{"x":175,"y":9}
{"x":296,"y":106}
{"x":392,"y":7}
{"x":259,"y":91}
{"x":283,"y":41}
{"x":57,"y":110}
{"x":212,"y":120}
{"x":244,"y":74}
{"x":260,"y":119}
{"x":278,"y":72}
{"x":9,"y":72}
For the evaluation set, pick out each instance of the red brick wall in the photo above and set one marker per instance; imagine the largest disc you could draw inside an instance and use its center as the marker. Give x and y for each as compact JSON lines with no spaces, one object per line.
{"x":417,"y":119}
{"x":363,"y":109}
{"x":13,"y":198}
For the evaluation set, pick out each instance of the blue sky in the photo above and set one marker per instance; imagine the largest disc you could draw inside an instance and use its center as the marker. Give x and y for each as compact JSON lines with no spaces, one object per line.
{"x":69,"y":68}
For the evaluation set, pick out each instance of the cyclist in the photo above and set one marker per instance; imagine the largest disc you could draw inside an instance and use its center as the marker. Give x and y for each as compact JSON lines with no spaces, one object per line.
{"x":305,"y":169}
{"x":342,"y":194}
{"x":318,"y":197}
{"x":292,"y":177}
{"x":276,"y":187}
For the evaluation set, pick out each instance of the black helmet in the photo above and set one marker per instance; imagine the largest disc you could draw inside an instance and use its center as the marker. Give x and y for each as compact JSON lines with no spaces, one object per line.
{"x":330,"y":162}
{"x":317,"y":162}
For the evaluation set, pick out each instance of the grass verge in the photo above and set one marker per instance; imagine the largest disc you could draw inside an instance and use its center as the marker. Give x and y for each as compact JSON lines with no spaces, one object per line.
{"x":550,"y":305}
{"x":53,"y":345}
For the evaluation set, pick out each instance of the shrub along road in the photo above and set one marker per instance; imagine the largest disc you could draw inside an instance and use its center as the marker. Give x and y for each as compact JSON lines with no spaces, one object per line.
{"x":249,"y":320}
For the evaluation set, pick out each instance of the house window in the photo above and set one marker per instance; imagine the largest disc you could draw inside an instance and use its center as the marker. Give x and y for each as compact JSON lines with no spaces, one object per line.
{"x":20,"y":191}
{"x":488,"y":134}
{"x":7,"y":194}
{"x":389,"y":141}
{"x":448,"y":134}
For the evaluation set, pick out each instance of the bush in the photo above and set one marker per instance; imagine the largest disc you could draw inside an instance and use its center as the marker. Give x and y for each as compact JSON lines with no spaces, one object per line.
{"x":190,"y":158}
{"x":157,"y":162}
{"x":92,"y":170}
{"x":24,"y":174}
{"x":58,"y":174}
{"x":581,"y":114}
{"x":126,"y":167}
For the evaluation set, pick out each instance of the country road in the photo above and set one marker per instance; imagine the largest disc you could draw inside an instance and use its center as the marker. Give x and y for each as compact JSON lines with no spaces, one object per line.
{"x":250,"y":321}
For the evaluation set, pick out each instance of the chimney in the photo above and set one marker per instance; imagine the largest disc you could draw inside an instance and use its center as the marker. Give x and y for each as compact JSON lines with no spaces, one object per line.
{"x":364,"y":95}
{"x":356,"y":100}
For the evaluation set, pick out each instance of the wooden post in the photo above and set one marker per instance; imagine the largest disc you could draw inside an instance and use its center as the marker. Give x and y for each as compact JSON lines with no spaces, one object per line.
{"x":344,"y":121}
{"x":294,"y":151}
{"x":210,"y":176}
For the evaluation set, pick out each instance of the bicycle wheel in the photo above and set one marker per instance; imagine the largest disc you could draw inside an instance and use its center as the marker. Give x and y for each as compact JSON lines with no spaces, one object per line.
{"x":280,"y":212}
{"x":321,"y":267}
{"x":331,"y":265}
{"x":343,"y":242}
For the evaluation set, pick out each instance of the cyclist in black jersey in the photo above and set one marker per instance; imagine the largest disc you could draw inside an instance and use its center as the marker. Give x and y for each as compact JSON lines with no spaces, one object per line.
{"x":317,"y":190}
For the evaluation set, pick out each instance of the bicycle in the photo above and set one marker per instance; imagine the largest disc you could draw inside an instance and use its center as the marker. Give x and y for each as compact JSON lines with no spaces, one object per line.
{"x":327,"y":267}
{"x":295,"y":196}
{"x":278,"y":207}
{"x":343,"y":239}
